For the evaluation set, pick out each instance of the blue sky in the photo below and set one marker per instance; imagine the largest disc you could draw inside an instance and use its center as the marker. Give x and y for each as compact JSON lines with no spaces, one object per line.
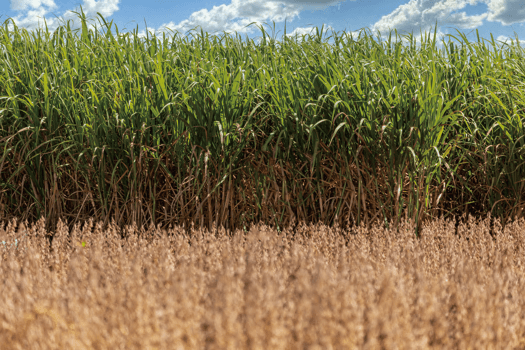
{"x":502,"y":18}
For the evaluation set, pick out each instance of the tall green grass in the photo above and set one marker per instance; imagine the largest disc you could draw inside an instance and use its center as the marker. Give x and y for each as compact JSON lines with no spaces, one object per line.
{"x":217,"y":130}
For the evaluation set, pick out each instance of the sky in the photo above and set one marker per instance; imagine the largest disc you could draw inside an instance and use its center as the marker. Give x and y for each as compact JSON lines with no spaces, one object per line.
{"x":502,"y":18}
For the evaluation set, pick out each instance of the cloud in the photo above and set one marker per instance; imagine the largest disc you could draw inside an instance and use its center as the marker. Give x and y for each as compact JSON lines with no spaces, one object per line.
{"x":309,"y":30}
{"x":509,"y":40}
{"x":21,"y":5}
{"x":313,"y":4}
{"x":90,"y":9}
{"x":235,"y":16}
{"x":506,"y":11}
{"x":301,"y":31}
{"x":105,"y":7}
{"x":421,"y":15}
{"x":34,"y":12}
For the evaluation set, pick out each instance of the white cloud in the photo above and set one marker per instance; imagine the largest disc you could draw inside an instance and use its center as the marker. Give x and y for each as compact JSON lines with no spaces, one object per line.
{"x":418,"y":16}
{"x":34,"y":12}
{"x":90,"y":9}
{"x":301,"y":31}
{"x":309,"y":31}
{"x":421,"y":15}
{"x":21,"y":5}
{"x":509,"y":40}
{"x":233,"y":17}
{"x":313,"y":4}
{"x":105,"y":7}
{"x":240,"y":13}
{"x":506,"y":11}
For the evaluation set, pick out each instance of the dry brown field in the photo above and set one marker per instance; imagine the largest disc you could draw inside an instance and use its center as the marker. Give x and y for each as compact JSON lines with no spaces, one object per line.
{"x":456,"y":287}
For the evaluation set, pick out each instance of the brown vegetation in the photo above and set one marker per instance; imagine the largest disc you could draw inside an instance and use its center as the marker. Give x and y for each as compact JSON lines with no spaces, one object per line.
{"x":312,"y":287}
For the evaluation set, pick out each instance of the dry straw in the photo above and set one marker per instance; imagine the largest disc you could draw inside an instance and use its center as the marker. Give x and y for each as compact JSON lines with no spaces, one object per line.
{"x":315,"y":287}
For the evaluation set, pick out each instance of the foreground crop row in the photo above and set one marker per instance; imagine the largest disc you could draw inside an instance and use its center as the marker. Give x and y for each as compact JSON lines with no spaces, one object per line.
{"x":315,"y":287}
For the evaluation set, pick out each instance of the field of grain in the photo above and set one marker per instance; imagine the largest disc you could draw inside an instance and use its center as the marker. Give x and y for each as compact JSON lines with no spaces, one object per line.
{"x":457,"y":287}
